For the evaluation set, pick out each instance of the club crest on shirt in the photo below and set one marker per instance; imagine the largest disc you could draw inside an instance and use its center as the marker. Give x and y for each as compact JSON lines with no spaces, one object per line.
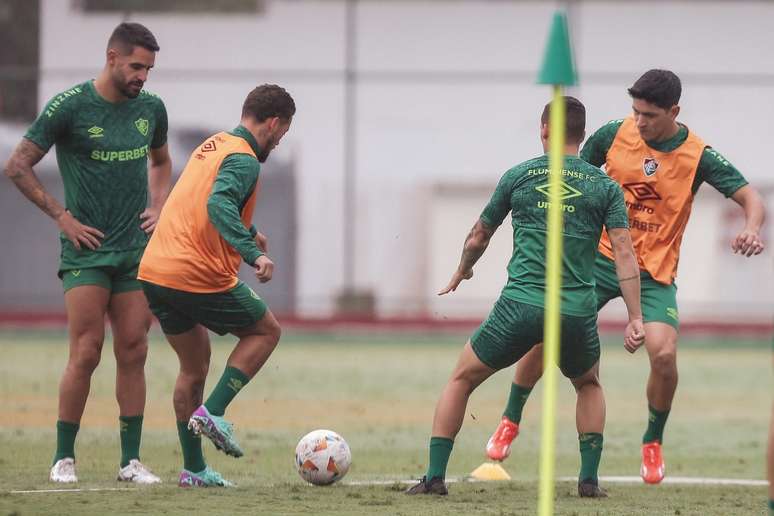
{"x":142,"y":125}
{"x":649,"y":166}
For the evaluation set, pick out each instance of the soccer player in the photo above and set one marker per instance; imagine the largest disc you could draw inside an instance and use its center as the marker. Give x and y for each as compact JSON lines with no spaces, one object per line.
{"x":515,"y":324}
{"x":660,"y":164}
{"x":189,"y":274}
{"x":105,"y":131}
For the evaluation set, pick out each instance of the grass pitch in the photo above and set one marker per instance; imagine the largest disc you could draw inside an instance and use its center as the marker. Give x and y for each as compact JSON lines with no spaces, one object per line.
{"x":379,"y":393}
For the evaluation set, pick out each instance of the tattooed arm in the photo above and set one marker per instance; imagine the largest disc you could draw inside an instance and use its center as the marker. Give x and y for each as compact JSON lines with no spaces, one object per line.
{"x":475,"y":245}
{"x":19,"y":170}
{"x":628,"y":272}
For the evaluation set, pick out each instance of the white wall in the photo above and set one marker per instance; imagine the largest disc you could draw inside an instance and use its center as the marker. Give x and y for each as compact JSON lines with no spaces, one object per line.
{"x":446,"y":93}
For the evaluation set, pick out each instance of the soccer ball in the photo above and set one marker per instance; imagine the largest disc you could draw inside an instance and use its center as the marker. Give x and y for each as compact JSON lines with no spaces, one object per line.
{"x":322,"y":457}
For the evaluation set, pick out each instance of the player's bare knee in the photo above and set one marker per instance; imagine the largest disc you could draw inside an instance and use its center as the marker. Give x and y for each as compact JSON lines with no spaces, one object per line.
{"x":466,"y":379}
{"x":589,"y":380}
{"x":131,"y":353}
{"x":276,"y":332}
{"x":664,"y":362}
{"x":87,"y":354}
{"x":194,"y":375}
{"x":269,"y":327}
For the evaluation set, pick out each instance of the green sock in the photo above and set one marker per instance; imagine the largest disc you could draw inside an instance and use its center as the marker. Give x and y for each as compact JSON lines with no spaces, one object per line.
{"x":656,"y":422}
{"x":193,"y":459}
{"x":771,"y":507}
{"x":229,"y":385}
{"x":516,"y":401}
{"x":131,"y":430}
{"x":591,"y":454}
{"x":440,"y":450}
{"x":65,"y":440}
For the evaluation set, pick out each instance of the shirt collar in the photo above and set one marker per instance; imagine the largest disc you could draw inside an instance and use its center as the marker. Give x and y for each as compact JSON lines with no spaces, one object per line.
{"x":243,"y":133}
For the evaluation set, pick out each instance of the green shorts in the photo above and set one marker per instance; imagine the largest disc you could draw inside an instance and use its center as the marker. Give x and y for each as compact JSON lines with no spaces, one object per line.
{"x":115,"y":271}
{"x":221,"y":312}
{"x":513,"y":328}
{"x":659,"y":301}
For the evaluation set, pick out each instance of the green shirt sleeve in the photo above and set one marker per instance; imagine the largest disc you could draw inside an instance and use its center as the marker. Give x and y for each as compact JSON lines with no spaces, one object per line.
{"x":596,"y":147}
{"x":162,"y":124}
{"x":235,"y":183}
{"x":616,"y":216}
{"x":52,"y":124}
{"x":718,"y":172}
{"x":500,"y":203}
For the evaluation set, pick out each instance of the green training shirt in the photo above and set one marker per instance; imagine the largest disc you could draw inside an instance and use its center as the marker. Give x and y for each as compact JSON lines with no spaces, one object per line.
{"x":590,"y":200}
{"x":713,"y":167}
{"x":236,"y":180}
{"x":102,"y":152}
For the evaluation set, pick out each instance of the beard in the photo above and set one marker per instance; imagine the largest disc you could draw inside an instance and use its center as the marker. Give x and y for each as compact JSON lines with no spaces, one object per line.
{"x":129,"y":90}
{"x":264,"y":154}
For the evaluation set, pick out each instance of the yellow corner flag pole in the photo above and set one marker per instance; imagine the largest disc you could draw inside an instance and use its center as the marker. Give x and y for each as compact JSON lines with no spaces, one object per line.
{"x":557,"y":70}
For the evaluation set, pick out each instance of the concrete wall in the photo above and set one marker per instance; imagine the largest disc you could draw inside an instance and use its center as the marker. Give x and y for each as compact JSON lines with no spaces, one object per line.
{"x":445,"y":93}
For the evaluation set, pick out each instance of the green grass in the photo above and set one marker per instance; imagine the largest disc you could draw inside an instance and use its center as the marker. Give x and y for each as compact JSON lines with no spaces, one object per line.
{"x":379,"y":393}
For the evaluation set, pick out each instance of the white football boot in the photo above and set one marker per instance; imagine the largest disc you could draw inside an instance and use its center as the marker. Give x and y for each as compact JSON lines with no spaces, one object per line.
{"x":63,"y":471}
{"x":136,"y":472}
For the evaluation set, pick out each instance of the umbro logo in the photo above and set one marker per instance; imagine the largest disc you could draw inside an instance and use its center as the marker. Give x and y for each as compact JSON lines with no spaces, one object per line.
{"x":96,"y":132}
{"x":565,"y":191}
{"x":642,"y":191}
{"x":235,"y":384}
{"x":209,"y":146}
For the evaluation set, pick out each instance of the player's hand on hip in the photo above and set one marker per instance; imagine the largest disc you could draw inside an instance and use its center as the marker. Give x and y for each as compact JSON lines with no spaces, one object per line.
{"x":77,"y":233}
{"x":747,"y":243}
{"x":455,"y":280}
{"x":634,"y":335}
{"x":150,"y":218}
{"x":264,"y":268}
{"x":262,"y":242}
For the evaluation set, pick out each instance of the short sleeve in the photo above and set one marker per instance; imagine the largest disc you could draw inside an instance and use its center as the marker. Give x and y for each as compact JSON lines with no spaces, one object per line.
{"x":616,"y":216}
{"x":51,"y":126}
{"x":596,"y":147}
{"x":719,"y":173}
{"x":160,"y":134}
{"x":500,"y":203}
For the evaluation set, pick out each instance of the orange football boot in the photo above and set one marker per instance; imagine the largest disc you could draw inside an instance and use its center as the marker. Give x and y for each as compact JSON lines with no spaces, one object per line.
{"x":652,"y":470}
{"x":499,"y":445}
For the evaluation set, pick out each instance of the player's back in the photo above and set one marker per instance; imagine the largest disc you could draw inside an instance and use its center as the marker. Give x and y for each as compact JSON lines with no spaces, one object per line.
{"x":589,"y":200}
{"x":186,"y":252}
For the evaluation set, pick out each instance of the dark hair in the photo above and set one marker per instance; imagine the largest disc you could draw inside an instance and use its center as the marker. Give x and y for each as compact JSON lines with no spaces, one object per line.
{"x":129,"y":35}
{"x":268,"y":101}
{"x":575,"y":118}
{"x":659,"y":87}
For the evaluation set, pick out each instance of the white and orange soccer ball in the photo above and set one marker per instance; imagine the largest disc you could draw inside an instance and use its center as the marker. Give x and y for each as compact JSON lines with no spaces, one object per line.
{"x":322,"y":457}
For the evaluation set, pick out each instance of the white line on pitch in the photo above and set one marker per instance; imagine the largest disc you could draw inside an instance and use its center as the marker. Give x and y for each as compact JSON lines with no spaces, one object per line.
{"x":681,"y":480}
{"x":611,"y":480}
{"x":87,"y":490}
